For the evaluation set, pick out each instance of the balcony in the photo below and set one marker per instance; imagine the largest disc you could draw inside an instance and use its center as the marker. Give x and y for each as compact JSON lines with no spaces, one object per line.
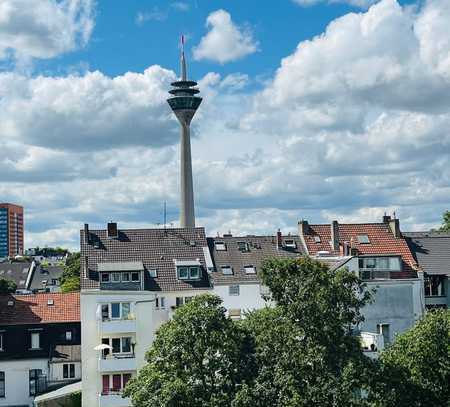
{"x":373,"y":274}
{"x":371,"y":343}
{"x":113,"y":399}
{"x":115,"y":326}
{"x":117,"y":363}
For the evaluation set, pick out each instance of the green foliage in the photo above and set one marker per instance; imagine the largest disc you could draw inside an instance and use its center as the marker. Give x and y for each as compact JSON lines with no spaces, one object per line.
{"x":70,"y":279}
{"x":306,"y":353}
{"x":199,"y":358}
{"x":445,"y":222}
{"x":7,"y":286}
{"x":416,"y":368}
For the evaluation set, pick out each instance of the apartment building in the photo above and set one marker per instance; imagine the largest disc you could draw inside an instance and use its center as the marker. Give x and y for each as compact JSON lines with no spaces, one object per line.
{"x":132,"y":281}
{"x":11,"y":230}
{"x":39,"y":345}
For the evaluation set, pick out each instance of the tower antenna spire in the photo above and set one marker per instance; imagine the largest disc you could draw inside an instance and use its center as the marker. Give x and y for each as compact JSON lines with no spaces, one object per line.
{"x":183,"y":61}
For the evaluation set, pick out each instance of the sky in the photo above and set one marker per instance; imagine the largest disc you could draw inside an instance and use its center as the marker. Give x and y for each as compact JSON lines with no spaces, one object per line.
{"x":312,"y":109}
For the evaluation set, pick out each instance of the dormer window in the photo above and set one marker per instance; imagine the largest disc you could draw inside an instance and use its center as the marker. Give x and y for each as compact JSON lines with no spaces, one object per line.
{"x":135,"y":276}
{"x":227,"y":270}
{"x":290,"y":244}
{"x":242,"y":246}
{"x":250,"y":269}
{"x":363,"y":239}
{"x":317,"y":239}
{"x":220,"y":246}
{"x":188,"y":270}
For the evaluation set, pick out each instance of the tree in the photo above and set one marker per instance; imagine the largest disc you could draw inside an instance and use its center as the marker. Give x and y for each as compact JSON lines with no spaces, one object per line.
{"x":70,"y":278}
{"x":306,"y":352}
{"x":199,"y":358}
{"x":7,"y":286}
{"x":445,"y":222}
{"x":416,"y":367}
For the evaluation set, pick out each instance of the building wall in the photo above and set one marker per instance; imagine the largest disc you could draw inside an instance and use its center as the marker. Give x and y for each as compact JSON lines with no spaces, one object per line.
{"x":249,"y":297}
{"x":17,"y":380}
{"x":56,"y":372}
{"x":15,"y":227}
{"x":92,"y":335}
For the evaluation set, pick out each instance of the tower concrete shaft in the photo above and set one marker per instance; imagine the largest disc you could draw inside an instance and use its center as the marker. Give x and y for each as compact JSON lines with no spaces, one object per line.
{"x":184,"y":104}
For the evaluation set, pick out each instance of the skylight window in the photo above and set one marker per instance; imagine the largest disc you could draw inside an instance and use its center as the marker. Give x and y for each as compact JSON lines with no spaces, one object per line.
{"x":250,"y":269}
{"x":363,"y":239}
{"x":317,"y":239}
{"x":290,"y":243}
{"x":227,"y":270}
{"x":243,"y":246}
{"x":220,"y":246}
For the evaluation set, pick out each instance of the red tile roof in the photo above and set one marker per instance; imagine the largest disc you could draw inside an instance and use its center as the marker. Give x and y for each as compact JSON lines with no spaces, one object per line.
{"x":34,"y":308}
{"x":381,"y":241}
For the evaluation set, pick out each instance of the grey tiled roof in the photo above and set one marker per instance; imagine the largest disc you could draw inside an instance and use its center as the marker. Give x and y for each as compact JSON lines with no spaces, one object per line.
{"x":155,"y":248}
{"x":432,"y":251}
{"x":259,"y":249}
{"x":44,"y":273}
{"x":17,"y":272}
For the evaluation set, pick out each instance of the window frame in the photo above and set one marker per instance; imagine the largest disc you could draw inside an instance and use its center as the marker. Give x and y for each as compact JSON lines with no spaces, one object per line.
{"x":114,"y":275}
{"x":227,"y":267}
{"x":220,"y":246}
{"x":197,"y":270}
{"x":68,"y":370}
{"x":69,"y":336}
{"x":363,"y":238}
{"x":179,"y":270}
{"x":2,"y":384}
{"x":125,"y":280}
{"x":33,"y":380}
{"x":235,"y":293}
{"x":245,"y":247}
{"x":133,"y":274}
{"x":34,"y":334}
{"x":108,"y":280}
{"x":249,"y":269}
{"x":2,"y":339}
{"x":290,"y":243}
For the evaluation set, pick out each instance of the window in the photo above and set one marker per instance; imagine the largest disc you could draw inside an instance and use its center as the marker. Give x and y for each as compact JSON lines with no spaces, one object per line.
{"x":115,"y":310}
{"x":114,"y":383}
{"x":105,"y":341}
{"x":35,"y":340}
{"x":183,"y":273}
{"x":194,"y":273}
{"x":2,"y":384}
{"x":115,"y":345}
{"x":434,"y":285}
{"x":153,"y":273}
{"x":121,"y":345}
{"x":68,"y":370}
{"x":317,"y":239}
{"x":290,"y":243}
{"x":115,"y":277}
{"x":34,"y":376}
{"x":383,"y":329}
{"x":160,"y":302}
{"x":242,"y":246}
{"x":135,"y":276}
{"x":220,"y":246}
{"x":249,"y":269}
{"x":233,"y":290}
{"x":227,"y":270}
{"x":105,"y":312}
{"x":68,"y":336}
{"x":126,"y":344}
{"x":363,"y":239}
{"x":179,"y":301}
{"x":125,"y":277}
{"x":1,"y":341}
{"x":125,"y":310}
{"x":391,"y":263}
{"x":105,"y":277}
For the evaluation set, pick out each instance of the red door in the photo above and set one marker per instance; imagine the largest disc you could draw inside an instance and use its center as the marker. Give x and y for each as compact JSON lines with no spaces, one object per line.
{"x":105,"y":380}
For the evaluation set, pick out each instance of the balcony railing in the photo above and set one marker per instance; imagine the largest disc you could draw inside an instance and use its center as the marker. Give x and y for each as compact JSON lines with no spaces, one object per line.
{"x":117,"y":363}
{"x":371,"y":342}
{"x":118,"y":325}
{"x":374,"y":274}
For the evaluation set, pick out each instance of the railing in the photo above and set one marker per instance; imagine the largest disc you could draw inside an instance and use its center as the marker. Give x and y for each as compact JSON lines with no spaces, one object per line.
{"x":374,"y":274}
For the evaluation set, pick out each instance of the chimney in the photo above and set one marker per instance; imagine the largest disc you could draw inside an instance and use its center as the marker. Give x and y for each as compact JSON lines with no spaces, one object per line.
{"x":303,"y":227}
{"x":394,"y":225}
{"x":279,"y":240}
{"x":346,"y":248}
{"x":335,"y":235}
{"x":386,"y":218}
{"x":87,"y":237}
{"x":112,"y":230}
{"x":86,"y":267}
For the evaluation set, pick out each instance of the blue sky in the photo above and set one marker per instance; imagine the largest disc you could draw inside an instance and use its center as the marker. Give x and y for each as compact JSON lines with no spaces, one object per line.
{"x":312,"y":109}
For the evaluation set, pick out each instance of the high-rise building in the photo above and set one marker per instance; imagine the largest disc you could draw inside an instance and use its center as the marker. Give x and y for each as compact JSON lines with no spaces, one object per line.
{"x":184,"y":104}
{"x":11,"y":230}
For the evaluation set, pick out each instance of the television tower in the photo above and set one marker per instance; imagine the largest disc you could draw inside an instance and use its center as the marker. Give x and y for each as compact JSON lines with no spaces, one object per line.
{"x":184,"y":104}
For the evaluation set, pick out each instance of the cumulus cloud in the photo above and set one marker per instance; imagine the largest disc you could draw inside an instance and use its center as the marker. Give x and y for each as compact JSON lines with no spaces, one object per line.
{"x":88,"y":112}
{"x":44,"y":28}
{"x":154,"y":15}
{"x":225,"y":41}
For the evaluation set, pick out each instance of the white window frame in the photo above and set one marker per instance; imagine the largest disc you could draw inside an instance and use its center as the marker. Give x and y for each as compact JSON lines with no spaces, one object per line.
{"x":33,"y":341}
{"x":160,"y":302}
{"x":105,"y":274}
{"x":121,"y":342}
{"x":250,"y":269}
{"x":363,"y":238}
{"x":133,"y":273}
{"x":229,"y":271}
{"x":116,"y":274}
{"x":245,"y":248}
{"x":69,"y":336}
{"x":220,"y":246}
{"x":290,"y":243}
{"x":126,"y":280}
{"x":69,"y":376}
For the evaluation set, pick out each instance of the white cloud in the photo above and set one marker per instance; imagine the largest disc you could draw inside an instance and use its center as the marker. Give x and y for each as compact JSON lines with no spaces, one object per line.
{"x":155,"y":14}
{"x":44,"y":28}
{"x":225,"y":41}
{"x":355,"y":3}
{"x":180,"y":6}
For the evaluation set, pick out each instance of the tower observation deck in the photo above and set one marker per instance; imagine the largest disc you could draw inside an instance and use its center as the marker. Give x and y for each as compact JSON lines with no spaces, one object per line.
{"x":184,"y":104}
